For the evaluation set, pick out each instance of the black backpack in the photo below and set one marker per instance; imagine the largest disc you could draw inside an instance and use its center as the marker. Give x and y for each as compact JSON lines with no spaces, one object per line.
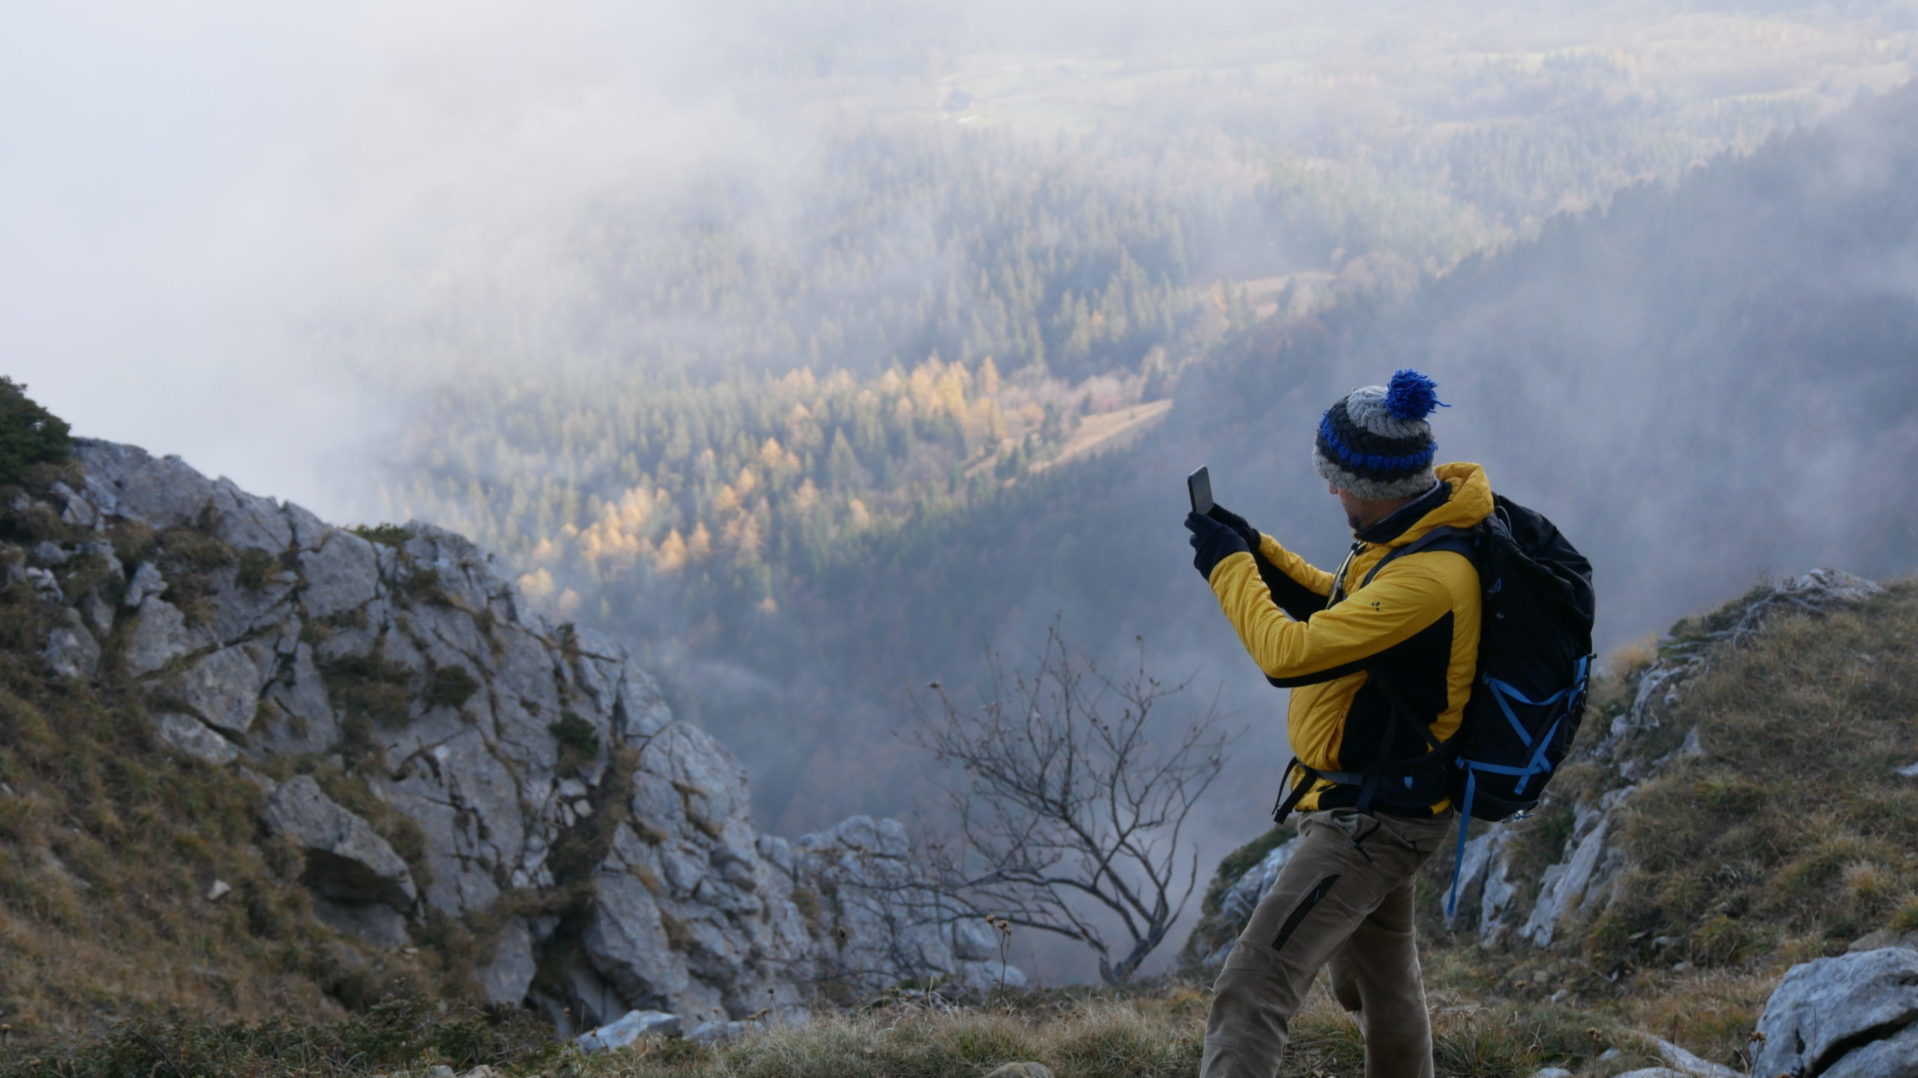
{"x":1534,"y":663}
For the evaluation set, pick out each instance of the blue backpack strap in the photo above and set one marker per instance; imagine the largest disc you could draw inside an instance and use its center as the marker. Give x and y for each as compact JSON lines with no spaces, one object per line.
{"x":1464,"y":826}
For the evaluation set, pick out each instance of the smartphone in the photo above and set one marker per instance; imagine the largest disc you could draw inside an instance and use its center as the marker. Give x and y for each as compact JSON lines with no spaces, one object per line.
{"x":1198,"y":486}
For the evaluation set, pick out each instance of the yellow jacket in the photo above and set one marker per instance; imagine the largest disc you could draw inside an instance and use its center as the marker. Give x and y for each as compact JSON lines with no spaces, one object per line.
{"x":1407,"y":642}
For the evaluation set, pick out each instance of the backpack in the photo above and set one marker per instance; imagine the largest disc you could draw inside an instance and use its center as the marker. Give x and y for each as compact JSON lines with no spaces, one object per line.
{"x":1534,"y":663}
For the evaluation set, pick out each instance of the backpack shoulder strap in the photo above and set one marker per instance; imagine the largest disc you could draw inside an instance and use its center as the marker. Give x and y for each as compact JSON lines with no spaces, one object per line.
{"x":1444,"y":537}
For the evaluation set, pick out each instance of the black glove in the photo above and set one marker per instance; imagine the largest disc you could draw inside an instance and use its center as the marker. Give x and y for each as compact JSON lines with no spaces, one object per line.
{"x":1237,"y":523}
{"x":1212,"y":543}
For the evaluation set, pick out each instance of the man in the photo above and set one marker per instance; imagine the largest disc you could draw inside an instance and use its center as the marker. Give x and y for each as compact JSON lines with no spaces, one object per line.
{"x":1379,"y":671}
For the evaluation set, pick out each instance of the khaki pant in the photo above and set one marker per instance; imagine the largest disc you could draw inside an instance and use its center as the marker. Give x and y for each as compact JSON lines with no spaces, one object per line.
{"x":1343,"y":899}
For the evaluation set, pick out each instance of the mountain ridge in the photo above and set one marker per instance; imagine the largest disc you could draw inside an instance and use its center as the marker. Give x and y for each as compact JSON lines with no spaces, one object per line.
{"x":419,"y":776}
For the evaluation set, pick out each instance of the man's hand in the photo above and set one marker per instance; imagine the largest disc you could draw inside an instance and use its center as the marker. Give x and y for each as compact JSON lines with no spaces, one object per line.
{"x":1237,"y":523}
{"x":1212,"y":542}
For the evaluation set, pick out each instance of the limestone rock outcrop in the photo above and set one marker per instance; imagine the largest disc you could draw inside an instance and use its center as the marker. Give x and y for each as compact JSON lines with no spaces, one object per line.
{"x":1211,"y":940}
{"x":438,"y":751}
{"x":1852,"y":1016}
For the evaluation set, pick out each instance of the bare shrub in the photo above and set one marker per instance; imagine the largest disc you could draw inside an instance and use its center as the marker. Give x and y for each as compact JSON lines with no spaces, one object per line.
{"x":1069,"y":812}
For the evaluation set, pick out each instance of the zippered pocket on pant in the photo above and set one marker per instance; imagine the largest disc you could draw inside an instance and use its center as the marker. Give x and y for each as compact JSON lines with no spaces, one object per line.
{"x":1305,"y":907}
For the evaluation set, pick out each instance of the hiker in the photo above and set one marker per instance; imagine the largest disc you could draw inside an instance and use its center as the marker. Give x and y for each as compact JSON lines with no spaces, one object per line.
{"x":1380,"y":670}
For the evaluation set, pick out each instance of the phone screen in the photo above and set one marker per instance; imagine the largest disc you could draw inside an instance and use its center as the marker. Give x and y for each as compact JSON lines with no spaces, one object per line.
{"x":1198,"y":486}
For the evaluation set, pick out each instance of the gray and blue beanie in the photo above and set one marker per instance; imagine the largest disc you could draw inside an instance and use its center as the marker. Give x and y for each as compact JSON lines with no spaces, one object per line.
{"x":1375,"y":444}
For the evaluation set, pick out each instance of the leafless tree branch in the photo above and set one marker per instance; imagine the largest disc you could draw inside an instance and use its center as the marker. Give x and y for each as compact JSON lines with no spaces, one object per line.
{"x":1070,"y":802}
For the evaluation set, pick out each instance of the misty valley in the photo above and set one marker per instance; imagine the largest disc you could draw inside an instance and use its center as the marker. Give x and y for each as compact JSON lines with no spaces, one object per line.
{"x":701,"y":588}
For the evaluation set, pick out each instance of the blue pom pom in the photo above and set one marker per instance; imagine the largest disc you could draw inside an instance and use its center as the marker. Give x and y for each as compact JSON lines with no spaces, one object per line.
{"x":1411,"y":395}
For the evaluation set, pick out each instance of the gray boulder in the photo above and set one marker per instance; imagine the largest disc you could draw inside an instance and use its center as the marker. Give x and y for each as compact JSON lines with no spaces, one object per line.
{"x":241,"y":611}
{"x":146,"y":581}
{"x":347,"y":860}
{"x":1236,"y":906}
{"x":161,"y":635}
{"x":126,"y":481}
{"x":224,"y":688}
{"x":71,"y":650}
{"x":1852,"y":1016}
{"x":719,"y":1031}
{"x":689,"y":915}
{"x":341,"y":574}
{"x":309,"y":531}
{"x":875,"y":923}
{"x":631,"y":1027}
{"x":75,"y":510}
{"x":980,"y":978}
{"x":190,"y":737}
{"x":1680,"y":1062}
{"x":506,"y":978}
{"x":1020,"y":1070}
{"x":246,"y":521}
{"x":298,"y":715}
{"x":1566,"y":885}
{"x":974,"y":941}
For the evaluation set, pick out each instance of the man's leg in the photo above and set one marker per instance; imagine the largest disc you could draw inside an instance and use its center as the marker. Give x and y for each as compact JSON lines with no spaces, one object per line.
{"x":1346,"y":867}
{"x":1375,"y":975}
{"x":1325,"y":889}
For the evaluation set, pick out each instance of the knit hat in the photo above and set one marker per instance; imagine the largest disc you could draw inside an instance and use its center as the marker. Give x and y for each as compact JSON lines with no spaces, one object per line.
{"x":1375,"y":444}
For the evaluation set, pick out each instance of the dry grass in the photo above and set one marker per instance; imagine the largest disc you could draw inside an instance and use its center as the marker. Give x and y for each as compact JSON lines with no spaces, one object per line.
{"x":1143,"y":1034}
{"x":1153,"y":1034}
{"x":402,"y":1036}
{"x":108,"y":847}
{"x":1794,"y":824}
{"x":1631,"y":657}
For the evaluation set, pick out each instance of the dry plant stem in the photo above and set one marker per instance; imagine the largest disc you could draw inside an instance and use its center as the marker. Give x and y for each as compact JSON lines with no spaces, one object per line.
{"x":1068,"y":813}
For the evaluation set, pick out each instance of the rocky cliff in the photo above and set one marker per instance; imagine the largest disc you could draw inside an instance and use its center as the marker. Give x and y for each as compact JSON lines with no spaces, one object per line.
{"x":440,"y":755}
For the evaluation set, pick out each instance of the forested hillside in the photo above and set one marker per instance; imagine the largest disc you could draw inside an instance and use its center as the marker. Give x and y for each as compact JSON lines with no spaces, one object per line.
{"x":807,"y":440}
{"x":761,"y":420}
{"x":766,"y":420}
